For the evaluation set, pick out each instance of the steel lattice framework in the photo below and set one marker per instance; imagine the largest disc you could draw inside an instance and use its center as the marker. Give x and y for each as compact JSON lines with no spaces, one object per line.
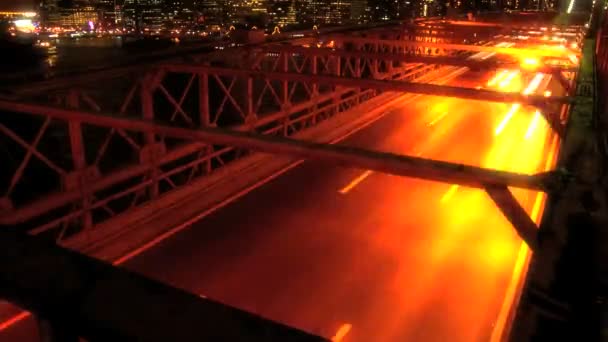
{"x":93,"y":171}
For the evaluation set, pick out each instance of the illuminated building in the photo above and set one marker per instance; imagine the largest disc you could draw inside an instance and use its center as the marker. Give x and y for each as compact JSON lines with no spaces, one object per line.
{"x":383,"y":10}
{"x":255,"y":6}
{"x":49,"y":12}
{"x":328,"y":11}
{"x":359,"y":11}
{"x":108,"y":9}
{"x":211,"y":12}
{"x":144,"y":15}
{"x":78,"y":17}
{"x":282,"y":12}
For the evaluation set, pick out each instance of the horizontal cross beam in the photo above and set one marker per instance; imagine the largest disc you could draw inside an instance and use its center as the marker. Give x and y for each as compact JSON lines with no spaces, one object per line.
{"x":383,"y":85}
{"x":407,"y":166}
{"x":459,"y":47}
{"x":400,"y":165}
{"x":405,"y":58}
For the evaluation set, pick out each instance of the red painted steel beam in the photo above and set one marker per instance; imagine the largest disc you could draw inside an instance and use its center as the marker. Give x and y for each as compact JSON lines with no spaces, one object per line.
{"x":397,"y":57}
{"x":353,"y":157}
{"x":384,"y":85}
{"x":58,"y":199}
{"x":405,"y":58}
{"x":459,"y":47}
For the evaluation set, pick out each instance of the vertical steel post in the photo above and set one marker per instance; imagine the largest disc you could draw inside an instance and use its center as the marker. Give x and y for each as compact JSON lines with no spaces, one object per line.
{"x":315,"y":89}
{"x":358,"y":72}
{"x":79,"y":159}
{"x":147,"y":108}
{"x":375,"y":63}
{"x":285,"y":92}
{"x":205,"y":113}
{"x":203,"y":99}
{"x":250,"y":112}
{"x":285,"y":83}
{"x":338,"y":71}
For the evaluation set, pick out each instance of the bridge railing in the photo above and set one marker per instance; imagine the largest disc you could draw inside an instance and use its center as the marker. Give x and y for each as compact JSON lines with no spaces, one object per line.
{"x":66,"y":177}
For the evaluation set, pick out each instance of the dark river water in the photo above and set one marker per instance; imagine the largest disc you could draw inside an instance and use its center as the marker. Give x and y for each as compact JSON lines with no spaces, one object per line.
{"x":74,"y":56}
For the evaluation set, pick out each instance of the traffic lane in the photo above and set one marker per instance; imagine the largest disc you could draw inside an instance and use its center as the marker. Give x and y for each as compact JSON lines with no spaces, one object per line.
{"x":273,"y":289}
{"x":484,"y":284}
{"x":299,"y":186}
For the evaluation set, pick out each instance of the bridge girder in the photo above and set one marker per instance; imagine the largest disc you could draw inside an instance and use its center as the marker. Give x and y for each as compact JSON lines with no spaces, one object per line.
{"x":494,"y":182}
{"x":382,"y":85}
{"x":400,"y":56}
{"x":413,"y":45}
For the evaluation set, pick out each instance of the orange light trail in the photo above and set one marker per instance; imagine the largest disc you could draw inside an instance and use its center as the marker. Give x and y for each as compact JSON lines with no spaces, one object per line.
{"x":497,"y":78}
{"x":450,"y":193}
{"x":341,"y":333}
{"x":507,"y":118}
{"x":437,"y":119}
{"x":533,"y":125}
{"x":505,"y":82}
{"x":355,"y":182}
{"x":530,"y":63}
{"x":533,"y":86}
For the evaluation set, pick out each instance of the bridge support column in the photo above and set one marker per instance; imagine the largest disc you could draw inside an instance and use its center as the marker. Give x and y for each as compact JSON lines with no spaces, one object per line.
{"x":148,"y":86}
{"x":285,"y":93}
{"x":79,"y":160}
{"x":203,"y":104}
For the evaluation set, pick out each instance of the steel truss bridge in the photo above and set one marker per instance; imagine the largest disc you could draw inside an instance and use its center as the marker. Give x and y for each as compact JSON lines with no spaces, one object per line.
{"x":96,"y":146}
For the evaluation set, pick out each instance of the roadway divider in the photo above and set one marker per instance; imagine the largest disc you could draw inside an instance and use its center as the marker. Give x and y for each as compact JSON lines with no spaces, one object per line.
{"x":126,"y":235}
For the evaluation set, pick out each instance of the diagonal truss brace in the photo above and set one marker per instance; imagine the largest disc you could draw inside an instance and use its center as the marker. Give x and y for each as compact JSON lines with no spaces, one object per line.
{"x":383,"y":85}
{"x":407,"y":166}
{"x":403,"y":57}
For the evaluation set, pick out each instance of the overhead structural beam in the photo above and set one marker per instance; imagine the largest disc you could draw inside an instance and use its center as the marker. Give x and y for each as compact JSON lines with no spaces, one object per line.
{"x":407,"y":166}
{"x":528,"y":40}
{"x":458,"y":47}
{"x":502,"y":25}
{"x":396,"y":57}
{"x":93,"y":300}
{"x":390,"y":163}
{"x":404,"y":58}
{"x":383,"y":85}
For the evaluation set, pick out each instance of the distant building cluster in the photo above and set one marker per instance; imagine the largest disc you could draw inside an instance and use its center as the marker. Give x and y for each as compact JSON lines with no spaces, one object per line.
{"x":157,"y":15}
